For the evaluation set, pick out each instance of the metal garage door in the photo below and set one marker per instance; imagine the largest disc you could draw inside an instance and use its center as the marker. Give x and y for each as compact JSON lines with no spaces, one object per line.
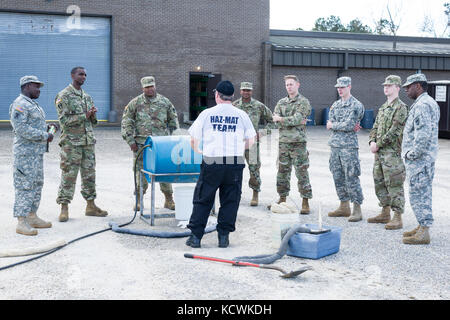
{"x":49,"y":46}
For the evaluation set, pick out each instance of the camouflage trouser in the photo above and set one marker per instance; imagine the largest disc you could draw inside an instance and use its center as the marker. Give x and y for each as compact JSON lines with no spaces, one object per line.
{"x":254,"y":164}
{"x":28,"y":181}
{"x":74,"y":159}
{"x":293,"y":154}
{"x":346,"y":169}
{"x":420,"y":195}
{"x":389,"y":175}
{"x":165,"y":187}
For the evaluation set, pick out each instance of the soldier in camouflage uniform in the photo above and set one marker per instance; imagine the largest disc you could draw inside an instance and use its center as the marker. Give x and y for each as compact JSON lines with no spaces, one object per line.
{"x":291,"y":115}
{"x":257,"y":112}
{"x":77,"y":117}
{"x":149,"y":114}
{"x":419,"y":151}
{"x":385,"y":140}
{"x":344,"y":116}
{"x":30,"y":137}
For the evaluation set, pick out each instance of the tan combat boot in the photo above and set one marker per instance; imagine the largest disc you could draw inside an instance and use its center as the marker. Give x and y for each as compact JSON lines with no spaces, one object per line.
{"x":64,"y":215}
{"x":422,"y":236}
{"x":36,"y":222}
{"x":305,"y":207}
{"x":395,"y":223}
{"x":254,"y":201}
{"x":356,"y":214}
{"x":383,"y":217}
{"x":24,"y":228}
{"x":280,"y":200}
{"x":169,"y":203}
{"x":412,"y":232}
{"x":342,"y":211}
{"x":93,"y":211}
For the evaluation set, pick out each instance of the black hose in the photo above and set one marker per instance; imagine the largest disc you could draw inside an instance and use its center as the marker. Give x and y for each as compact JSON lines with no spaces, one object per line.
{"x":158,"y":234}
{"x":138,"y":154}
{"x":271,"y":258}
{"x":53,"y":250}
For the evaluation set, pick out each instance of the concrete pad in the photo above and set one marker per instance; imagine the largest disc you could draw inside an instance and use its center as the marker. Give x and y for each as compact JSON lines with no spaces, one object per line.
{"x":372,"y":263}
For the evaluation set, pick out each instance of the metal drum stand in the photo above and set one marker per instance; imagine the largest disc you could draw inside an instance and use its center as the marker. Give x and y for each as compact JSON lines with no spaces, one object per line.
{"x":150,"y":219}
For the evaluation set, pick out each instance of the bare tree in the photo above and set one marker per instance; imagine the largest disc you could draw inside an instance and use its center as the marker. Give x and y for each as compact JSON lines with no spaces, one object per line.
{"x":390,"y":20}
{"x":428,"y":26}
{"x":395,"y":18}
{"x":447,"y":13}
{"x":434,"y":26}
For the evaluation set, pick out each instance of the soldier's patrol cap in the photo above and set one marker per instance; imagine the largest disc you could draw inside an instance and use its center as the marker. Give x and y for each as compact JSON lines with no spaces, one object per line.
{"x":392,"y":79}
{"x":28,"y":79}
{"x":343,"y":82}
{"x":246,"y":86}
{"x":147,"y":81}
{"x":418,"y":77}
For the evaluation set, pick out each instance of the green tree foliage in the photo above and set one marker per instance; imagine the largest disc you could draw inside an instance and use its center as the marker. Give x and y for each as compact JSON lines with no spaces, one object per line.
{"x":383,"y":26}
{"x":334,"y":24}
{"x":357,"y":26}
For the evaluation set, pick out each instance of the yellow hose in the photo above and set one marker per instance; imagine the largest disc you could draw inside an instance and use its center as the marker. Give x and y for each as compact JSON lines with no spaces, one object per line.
{"x":32,"y":250}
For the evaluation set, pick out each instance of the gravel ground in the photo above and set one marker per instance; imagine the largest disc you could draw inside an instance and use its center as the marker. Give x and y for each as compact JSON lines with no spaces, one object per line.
{"x":372,"y":263}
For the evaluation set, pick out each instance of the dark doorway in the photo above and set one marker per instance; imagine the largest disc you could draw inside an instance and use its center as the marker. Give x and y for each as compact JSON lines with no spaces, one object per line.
{"x":201,"y":95}
{"x":440,"y":91}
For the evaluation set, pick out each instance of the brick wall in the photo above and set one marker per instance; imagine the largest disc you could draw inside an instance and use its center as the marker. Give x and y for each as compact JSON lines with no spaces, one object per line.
{"x":170,"y":38}
{"x":317,"y":84}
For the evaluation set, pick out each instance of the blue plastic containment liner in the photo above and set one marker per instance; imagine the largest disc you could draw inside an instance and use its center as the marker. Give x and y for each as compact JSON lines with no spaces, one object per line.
{"x":325,"y":115}
{"x":311,"y":118}
{"x":171,"y":154}
{"x":368,"y":120}
{"x":315,"y":246}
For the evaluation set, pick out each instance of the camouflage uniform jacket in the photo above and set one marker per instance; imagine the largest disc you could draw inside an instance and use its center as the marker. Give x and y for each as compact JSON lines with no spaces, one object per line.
{"x":30,"y":129}
{"x":294,"y":111}
{"x":387,"y":130}
{"x":72,"y":105}
{"x":344,"y":115}
{"x":256,"y":111}
{"x":420,"y":136}
{"x":144,"y":117}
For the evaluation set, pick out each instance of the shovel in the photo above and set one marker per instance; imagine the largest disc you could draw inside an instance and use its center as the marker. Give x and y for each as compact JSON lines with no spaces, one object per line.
{"x":286,"y":275}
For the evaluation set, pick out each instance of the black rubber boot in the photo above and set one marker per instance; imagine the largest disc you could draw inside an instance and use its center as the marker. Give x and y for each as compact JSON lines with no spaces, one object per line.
{"x":223,"y":240}
{"x":193,"y":241}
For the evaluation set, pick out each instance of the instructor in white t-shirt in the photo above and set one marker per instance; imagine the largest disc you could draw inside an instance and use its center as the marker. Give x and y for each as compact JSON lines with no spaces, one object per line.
{"x":221,"y":134}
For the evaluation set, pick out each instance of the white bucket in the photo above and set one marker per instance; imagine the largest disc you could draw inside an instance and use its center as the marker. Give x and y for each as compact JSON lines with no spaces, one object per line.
{"x":281,"y":223}
{"x":183,"y":196}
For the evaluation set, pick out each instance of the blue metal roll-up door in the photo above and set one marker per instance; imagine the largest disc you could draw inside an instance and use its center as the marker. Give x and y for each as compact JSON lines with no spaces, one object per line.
{"x":49,"y":46}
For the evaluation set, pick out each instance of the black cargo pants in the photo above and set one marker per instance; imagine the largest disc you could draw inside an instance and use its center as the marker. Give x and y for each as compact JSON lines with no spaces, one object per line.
{"x":224,"y":174}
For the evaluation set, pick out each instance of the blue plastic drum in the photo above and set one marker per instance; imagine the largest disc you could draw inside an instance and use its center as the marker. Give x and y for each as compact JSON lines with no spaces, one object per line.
{"x":368,"y":120}
{"x":311,"y":118}
{"x":325,"y":115}
{"x":171,"y":154}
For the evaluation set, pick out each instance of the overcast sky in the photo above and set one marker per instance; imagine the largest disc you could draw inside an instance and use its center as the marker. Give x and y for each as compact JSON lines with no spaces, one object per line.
{"x":292,"y":14}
